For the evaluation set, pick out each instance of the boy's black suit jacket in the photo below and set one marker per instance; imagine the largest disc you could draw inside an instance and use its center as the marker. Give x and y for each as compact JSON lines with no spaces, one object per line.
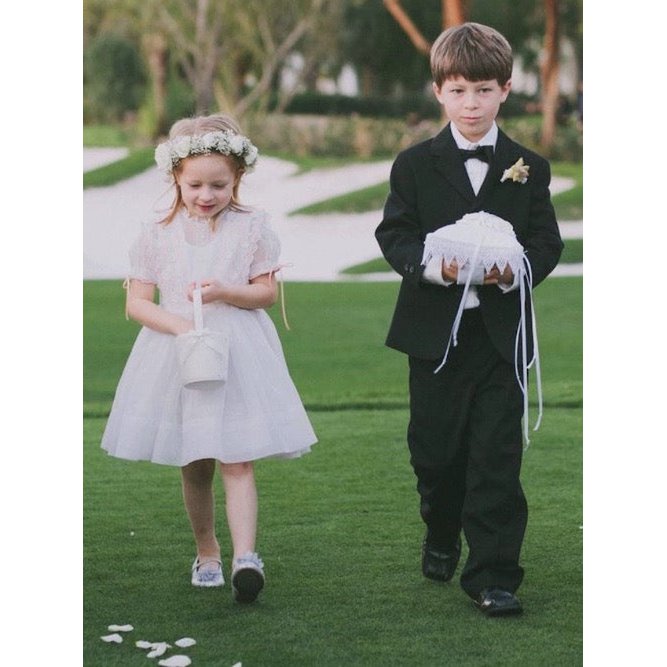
{"x":430,"y":188}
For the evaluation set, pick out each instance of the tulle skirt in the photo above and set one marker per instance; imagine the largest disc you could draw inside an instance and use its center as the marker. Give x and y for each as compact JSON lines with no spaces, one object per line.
{"x":257,"y":413}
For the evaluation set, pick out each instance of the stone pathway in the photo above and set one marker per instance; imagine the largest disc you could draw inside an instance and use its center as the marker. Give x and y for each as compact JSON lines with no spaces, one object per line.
{"x":317,"y":248}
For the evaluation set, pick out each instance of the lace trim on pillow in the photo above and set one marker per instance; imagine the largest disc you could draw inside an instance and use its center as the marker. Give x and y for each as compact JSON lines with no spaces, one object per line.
{"x":464,"y":252}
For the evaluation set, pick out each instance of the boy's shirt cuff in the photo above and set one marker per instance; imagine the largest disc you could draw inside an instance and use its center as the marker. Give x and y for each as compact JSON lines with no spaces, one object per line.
{"x":433,"y":273}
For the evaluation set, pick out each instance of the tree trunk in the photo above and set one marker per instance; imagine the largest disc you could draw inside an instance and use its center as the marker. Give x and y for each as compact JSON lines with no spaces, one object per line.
{"x":410,"y":29}
{"x":155,"y":46}
{"x":453,"y":13}
{"x":206,"y":52}
{"x":550,"y":72}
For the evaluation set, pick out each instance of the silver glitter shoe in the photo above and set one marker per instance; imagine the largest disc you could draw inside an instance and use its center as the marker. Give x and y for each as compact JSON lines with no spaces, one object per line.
{"x":207,"y":572}
{"x":247,"y":577}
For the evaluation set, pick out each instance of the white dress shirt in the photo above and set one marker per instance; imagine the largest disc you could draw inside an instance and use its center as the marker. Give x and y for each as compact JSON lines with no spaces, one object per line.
{"x":477,"y":170}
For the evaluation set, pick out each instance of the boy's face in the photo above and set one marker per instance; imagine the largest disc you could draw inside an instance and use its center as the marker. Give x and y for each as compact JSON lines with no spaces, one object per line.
{"x":471,"y":105}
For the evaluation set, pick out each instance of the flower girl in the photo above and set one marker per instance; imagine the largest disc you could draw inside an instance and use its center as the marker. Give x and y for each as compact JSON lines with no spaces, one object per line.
{"x":213,"y":262}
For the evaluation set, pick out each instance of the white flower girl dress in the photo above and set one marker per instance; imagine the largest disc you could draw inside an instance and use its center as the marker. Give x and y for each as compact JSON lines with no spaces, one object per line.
{"x":257,"y":412}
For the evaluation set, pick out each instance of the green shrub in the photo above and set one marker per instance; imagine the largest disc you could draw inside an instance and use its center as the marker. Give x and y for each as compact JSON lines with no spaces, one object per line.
{"x":568,"y":143}
{"x":338,"y":136}
{"x":111,"y":136}
{"x":411,"y":105}
{"x":114,"y":79}
{"x":362,"y":137}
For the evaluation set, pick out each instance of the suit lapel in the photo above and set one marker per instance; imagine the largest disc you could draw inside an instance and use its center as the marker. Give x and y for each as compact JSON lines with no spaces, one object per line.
{"x":448,"y":163}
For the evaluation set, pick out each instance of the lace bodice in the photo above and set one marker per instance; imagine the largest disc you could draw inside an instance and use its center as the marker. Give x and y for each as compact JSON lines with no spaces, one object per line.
{"x":242,"y":247}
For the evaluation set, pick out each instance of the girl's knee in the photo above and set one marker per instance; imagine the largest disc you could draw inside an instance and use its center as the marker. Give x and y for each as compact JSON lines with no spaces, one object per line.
{"x":201,"y":470}
{"x":237,"y":470}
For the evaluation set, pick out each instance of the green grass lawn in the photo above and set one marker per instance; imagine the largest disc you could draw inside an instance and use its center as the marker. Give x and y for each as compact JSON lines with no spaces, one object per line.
{"x":136,"y":162}
{"x":335,"y":347}
{"x":339,"y":528}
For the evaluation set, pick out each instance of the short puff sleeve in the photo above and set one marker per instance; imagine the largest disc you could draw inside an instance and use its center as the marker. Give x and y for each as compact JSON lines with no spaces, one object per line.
{"x":266,"y":249}
{"x":143,"y":255}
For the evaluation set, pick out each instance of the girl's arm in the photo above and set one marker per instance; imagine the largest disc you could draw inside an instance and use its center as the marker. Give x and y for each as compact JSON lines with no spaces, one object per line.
{"x":260,"y":292}
{"x":140,"y":307}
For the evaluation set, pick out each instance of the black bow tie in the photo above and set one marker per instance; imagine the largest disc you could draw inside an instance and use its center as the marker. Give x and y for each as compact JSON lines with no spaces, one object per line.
{"x":484,"y":153}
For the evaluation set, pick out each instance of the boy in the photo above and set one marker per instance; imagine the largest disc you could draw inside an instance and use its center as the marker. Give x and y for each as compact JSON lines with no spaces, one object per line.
{"x":464,"y":435}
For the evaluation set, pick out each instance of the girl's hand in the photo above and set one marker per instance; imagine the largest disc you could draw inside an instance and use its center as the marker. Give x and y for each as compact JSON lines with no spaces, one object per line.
{"x":211,"y":290}
{"x":182,"y":326}
{"x":260,"y":292}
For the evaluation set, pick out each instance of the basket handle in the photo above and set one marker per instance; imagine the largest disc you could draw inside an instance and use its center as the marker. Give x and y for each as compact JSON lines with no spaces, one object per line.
{"x":197,"y":304}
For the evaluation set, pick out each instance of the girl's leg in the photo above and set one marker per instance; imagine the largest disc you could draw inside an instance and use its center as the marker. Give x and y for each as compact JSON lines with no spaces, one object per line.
{"x":199,"y":504}
{"x":241,"y":505}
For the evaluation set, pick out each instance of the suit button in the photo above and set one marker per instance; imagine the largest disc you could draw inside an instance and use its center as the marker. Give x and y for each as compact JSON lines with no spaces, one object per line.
{"x":409,"y":268}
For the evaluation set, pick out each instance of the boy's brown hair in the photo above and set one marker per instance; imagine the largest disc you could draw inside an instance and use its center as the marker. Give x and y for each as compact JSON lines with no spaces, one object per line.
{"x":471,"y":50}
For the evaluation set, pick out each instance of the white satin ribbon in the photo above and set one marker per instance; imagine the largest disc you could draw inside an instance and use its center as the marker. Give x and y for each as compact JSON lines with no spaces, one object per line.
{"x":521,"y":366}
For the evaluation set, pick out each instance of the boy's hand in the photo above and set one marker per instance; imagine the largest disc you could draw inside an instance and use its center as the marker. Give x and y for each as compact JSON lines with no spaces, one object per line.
{"x":450,"y":272}
{"x":493,"y":277}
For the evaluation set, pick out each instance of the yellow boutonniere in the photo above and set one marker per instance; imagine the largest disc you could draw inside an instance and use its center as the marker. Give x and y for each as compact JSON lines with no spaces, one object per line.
{"x":518,"y":172}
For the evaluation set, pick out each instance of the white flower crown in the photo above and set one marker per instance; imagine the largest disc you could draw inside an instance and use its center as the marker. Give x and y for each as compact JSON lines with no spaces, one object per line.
{"x":169,"y":153}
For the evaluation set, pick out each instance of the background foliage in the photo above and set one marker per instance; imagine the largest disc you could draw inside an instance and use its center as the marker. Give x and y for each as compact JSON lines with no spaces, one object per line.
{"x":150,"y":62}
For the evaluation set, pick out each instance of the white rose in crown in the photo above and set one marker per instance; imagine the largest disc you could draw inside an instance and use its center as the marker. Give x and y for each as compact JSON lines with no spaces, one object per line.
{"x":518,"y":172}
{"x":163,"y":157}
{"x":251,"y":158}
{"x":236,"y":144}
{"x":181,"y":146}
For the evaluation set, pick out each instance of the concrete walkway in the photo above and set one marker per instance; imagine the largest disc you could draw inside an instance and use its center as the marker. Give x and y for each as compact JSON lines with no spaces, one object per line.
{"x":317,"y":247}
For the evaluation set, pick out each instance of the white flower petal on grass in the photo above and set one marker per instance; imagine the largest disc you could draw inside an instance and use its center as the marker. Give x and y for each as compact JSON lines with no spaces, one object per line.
{"x":121,"y":628}
{"x":185,"y":642}
{"x":159,"y":648}
{"x":142,"y":643}
{"x":176,"y":661}
{"x":114,"y":638}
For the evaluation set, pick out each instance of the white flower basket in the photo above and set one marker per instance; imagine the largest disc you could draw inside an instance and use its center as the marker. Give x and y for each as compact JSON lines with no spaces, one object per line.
{"x":203,"y":354}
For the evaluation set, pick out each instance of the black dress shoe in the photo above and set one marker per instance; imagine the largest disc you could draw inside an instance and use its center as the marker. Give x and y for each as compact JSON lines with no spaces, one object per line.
{"x":440,"y":564}
{"x":497,"y":602}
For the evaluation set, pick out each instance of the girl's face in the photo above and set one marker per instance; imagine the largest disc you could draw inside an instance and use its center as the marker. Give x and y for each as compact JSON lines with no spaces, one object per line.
{"x":207,"y":184}
{"x":471,"y":105}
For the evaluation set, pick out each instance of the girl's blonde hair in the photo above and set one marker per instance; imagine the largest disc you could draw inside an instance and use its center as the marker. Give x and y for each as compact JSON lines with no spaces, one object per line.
{"x":199,"y":126}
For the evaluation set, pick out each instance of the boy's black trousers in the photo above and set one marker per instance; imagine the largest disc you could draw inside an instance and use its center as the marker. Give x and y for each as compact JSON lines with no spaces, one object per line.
{"x":465,"y":443}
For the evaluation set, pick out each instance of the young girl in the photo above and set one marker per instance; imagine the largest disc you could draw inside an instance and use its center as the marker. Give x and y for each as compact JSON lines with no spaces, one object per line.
{"x":229,"y":252}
